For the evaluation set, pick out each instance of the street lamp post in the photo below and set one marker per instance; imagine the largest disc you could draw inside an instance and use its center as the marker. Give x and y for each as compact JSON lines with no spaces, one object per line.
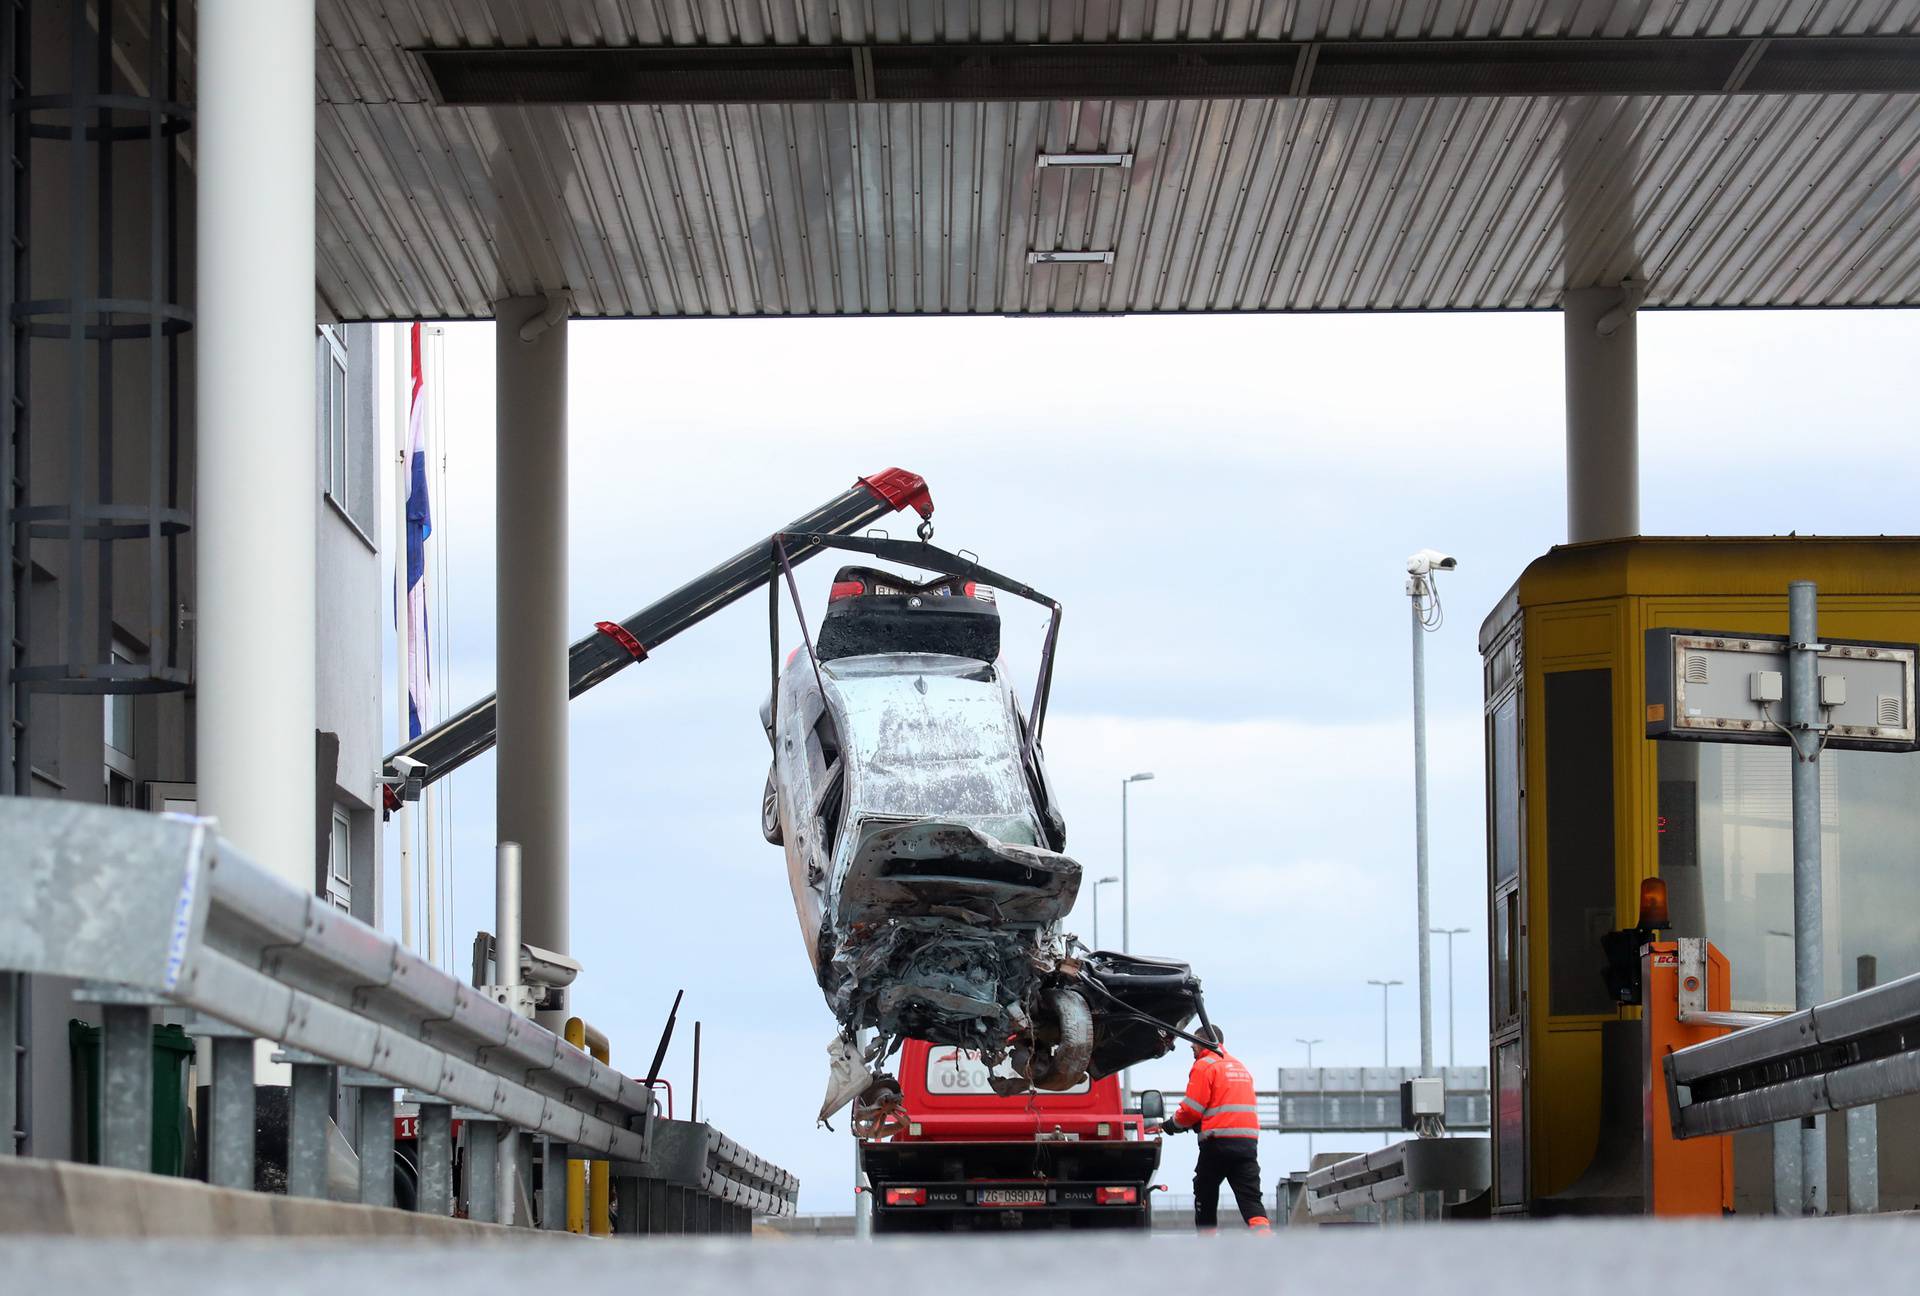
{"x":1096,"y":907}
{"x":1126,"y":929}
{"x":1126,"y":915}
{"x":1425,"y":601}
{"x":1309,"y":1043}
{"x":1385,"y":1046}
{"x":1449,"y":933}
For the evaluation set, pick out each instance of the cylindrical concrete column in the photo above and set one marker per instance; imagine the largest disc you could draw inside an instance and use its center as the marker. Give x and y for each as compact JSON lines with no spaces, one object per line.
{"x":531,"y":612}
{"x":257,"y":485}
{"x":1603,"y":422}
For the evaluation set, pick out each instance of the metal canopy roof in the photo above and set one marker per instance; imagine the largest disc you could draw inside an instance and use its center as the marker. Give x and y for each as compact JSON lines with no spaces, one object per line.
{"x":827,"y":157}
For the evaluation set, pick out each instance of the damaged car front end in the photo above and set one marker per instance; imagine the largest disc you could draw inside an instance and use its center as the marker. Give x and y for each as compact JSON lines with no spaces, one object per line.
{"x":924,"y":850}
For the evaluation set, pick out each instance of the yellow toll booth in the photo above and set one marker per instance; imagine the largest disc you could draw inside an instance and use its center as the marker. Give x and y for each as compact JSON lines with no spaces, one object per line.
{"x":1582,"y":806}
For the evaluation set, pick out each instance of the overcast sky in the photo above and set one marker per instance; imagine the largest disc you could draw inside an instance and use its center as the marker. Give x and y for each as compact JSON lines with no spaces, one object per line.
{"x":1224,"y":506}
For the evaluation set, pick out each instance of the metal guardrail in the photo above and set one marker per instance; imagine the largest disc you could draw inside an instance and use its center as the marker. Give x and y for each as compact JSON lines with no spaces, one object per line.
{"x":1366,"y":1100}
{"x":1864,"y":1048}
{"x":701,"y":1157}
{"x":157,"y":909}
{"x":1452,"y":1167}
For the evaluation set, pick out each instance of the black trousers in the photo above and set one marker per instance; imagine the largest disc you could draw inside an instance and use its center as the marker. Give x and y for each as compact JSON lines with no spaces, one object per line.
{"x":1236,"y":1160}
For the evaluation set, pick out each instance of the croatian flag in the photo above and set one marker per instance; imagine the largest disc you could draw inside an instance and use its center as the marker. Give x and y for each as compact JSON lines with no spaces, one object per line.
{"x":419,"y":527}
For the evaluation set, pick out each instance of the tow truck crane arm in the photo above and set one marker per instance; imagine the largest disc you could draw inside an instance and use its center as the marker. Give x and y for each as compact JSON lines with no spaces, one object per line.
{"x":615,"y":645}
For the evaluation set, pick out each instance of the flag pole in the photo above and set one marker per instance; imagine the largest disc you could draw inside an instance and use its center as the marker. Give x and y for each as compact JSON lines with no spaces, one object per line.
{"x":403,"y":394}
{"x":431,"y":803}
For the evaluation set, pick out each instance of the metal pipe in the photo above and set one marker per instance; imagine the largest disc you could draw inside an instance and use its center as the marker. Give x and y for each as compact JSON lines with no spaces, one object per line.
{"x":1416,"y":587}
{"x":693,"y":1099}
{"x":1602,"y":403}
{"x":1126,"y":906}
{"x":257,"y":494}
{"x":506,"y":914}
{"x":589,"y":1185}
{"x":1805,"y":728}
{"x":403,"y":818}
{"x":556,"y":310}
{"x":530,"y":562}
{"x":1386,"y":1038}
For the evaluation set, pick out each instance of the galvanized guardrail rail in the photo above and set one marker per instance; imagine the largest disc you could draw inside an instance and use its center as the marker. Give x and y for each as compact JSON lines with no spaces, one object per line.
{"x":1427,"y":1172}
{"x":153,"y":911}
{"x":1864,"y":1048}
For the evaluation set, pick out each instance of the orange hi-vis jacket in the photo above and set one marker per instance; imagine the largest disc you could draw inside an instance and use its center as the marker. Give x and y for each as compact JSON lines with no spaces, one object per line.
{"x":1219,"y":1098}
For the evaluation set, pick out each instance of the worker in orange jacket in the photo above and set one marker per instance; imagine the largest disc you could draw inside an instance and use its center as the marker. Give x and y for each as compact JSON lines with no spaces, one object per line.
{"x":1219,"y":1100}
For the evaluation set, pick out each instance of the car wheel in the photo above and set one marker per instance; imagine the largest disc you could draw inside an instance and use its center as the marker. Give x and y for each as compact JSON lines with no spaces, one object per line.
{"x":770,"y":813}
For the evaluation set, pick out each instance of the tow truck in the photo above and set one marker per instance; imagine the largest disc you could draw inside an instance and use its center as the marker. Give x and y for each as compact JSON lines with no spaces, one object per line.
{"x":956,"y":1155}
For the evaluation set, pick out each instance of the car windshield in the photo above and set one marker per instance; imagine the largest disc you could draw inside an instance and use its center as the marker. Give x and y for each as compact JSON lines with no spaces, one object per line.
{"x":933,"y":736}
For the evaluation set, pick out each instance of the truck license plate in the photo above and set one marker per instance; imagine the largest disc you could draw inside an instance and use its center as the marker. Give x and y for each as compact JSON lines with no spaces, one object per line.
{"x":1013,"y":1197}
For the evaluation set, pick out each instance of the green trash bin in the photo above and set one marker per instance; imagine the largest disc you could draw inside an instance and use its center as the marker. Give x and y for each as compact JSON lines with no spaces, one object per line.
{"x":172,"y":1122}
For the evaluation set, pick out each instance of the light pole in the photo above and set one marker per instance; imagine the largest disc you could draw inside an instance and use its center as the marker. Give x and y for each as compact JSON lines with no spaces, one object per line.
{"x":1385,"y":986}
{"x":1096,"y":907}
{"x":1449,"y":933}
{"x":1126,"y":929}
{"x":1425,"y":601}
{"x":1309,"y":1043}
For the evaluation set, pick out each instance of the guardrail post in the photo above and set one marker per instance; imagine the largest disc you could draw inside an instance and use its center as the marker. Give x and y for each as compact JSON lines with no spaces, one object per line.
{"x":230,"y":1135}
{"x":1863,"y":1124}
{"x":126,"y":1076}
{"x":555,"y":1171}
{"x":12,"y":990}
{"x":308,"y":1103}
{"x":435,"y":1146}
{"x":482,"y":1135}
{"x":373,"y":1134}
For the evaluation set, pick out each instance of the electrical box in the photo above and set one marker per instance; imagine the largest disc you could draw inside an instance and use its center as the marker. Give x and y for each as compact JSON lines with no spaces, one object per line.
{"x":1421,"y":1096}
{"x":1717,"y":687}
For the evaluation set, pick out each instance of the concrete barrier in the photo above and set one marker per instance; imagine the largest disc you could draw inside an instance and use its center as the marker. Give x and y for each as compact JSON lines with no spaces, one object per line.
{"x":65,"y":1199}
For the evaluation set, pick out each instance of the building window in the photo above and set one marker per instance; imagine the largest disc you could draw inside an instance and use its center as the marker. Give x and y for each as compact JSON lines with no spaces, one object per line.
{"x":1580,"y":859}
{"x":340,"y":863}
{"x":335,"y":469}
{"x":117,"y":746}
{"x":1726,"y":852}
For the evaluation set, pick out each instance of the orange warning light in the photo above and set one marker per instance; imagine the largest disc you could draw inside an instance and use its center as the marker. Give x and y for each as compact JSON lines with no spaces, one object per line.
{"x":1653,"y":904}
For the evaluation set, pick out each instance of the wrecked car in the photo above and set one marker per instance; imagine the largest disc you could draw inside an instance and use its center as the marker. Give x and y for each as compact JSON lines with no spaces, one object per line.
{"x":925,"y":850}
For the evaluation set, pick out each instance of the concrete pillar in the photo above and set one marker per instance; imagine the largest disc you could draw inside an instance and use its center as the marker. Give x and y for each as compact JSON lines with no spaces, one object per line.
{"x":1603,"y":427}
{"x":257,"y":486}
{"x":530,"y":559}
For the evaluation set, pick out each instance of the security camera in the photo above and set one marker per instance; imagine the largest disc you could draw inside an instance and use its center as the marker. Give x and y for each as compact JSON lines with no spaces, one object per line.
{"x":1428,"y":561}
{"x":544,"y":967}
{"x":405,"y":766}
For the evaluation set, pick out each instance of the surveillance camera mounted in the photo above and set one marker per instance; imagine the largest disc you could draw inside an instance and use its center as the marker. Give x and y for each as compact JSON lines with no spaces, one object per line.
{"x":1428,"y":561}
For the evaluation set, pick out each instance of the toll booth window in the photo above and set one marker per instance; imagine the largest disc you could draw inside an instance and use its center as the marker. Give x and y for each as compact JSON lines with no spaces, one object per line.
{"x":1726,"y":851}
{"x":1506,"y":940}
{"x":1505,"y":742}
{"x":1580,"y":863}
{"x":1509,"y":1113}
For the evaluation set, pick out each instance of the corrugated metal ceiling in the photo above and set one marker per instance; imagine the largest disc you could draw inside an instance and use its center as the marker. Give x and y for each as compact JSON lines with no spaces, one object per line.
{"x":1229,"y":205}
